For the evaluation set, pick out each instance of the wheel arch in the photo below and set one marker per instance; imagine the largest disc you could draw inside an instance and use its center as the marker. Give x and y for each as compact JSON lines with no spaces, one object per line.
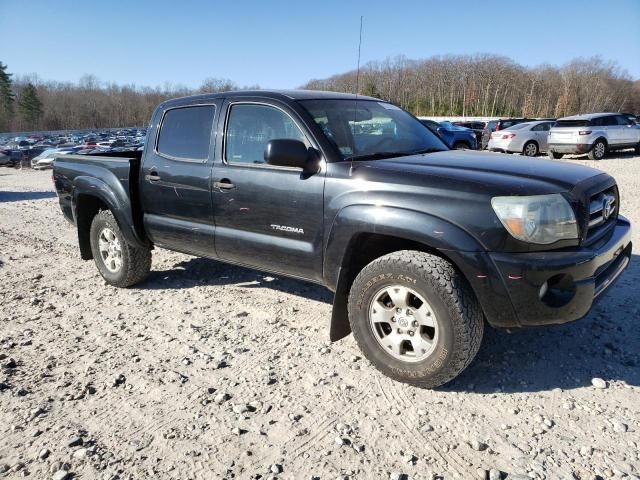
{"x":603,"y":138}
{"x":464,"y":143}
{"x":90,"y":195}
{"x":360,"y":234}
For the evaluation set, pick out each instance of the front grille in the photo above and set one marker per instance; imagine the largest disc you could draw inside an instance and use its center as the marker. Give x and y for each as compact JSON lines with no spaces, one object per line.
{"x":603,"y":212}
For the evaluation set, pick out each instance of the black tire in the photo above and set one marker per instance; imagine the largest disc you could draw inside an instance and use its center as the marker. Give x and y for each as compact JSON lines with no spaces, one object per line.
{"x":637,"y":150}
{"x":530,"y":149}
{"x":461,"y":146}
{"x":460,"y":321}
{"x":135,"y":262}
{"x":555,"y":155}
{"x":598,"y":151}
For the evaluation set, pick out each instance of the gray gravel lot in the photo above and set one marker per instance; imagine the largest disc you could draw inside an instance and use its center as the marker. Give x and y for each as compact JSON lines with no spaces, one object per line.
{"x":213,"y":371}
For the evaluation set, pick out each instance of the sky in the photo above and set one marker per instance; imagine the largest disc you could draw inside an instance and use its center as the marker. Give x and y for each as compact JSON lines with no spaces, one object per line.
{"x":278,"y":44}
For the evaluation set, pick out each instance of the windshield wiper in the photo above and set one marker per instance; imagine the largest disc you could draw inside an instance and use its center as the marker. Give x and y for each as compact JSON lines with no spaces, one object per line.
{"x":374,"y":156}
{"x":425,"y":150}
{"x":382,"y":155}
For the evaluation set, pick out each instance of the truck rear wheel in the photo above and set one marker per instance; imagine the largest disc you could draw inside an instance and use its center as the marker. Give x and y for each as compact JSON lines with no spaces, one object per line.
{"x":119,"y":263}
{"x":415,"y":318}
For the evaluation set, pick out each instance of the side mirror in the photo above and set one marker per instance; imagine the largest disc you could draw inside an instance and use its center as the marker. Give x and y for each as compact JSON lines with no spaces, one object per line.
{"x":286,"y":152}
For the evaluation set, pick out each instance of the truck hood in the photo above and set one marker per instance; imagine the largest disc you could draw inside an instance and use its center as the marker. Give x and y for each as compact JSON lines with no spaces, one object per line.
{"x":497,"y":174}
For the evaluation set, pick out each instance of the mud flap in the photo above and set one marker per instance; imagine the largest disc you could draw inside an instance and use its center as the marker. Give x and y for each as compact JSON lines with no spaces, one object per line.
{"x":340,"y":326}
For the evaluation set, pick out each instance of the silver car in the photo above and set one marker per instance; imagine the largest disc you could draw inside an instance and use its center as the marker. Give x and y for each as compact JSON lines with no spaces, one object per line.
{"x":594,"y":134}
{"x":46,"y":158}
{"x":529,"y":138}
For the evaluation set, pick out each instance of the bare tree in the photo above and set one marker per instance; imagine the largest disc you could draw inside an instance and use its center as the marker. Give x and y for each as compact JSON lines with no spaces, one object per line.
{"x":491,"y":85}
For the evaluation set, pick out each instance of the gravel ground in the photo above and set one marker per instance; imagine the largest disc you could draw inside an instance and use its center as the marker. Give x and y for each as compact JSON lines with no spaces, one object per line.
{"x":213,"y":371}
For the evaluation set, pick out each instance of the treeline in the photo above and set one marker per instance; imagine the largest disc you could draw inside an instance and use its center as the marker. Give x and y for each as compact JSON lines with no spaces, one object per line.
{"x":490,"y":85}
{"x":28,"y":103}
{"x":469,"y":85}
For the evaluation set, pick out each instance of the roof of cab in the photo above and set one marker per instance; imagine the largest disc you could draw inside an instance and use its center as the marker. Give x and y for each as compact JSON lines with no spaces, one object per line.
{"x":274,"y":94}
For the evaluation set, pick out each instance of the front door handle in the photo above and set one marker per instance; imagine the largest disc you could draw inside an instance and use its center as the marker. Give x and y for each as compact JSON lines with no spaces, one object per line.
{"x":152,"y":177}
{"x":224,"y":184}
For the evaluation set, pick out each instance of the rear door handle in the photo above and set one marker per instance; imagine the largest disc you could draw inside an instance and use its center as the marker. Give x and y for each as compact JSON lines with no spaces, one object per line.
{"x":152,"y":177}
{"x":224,"y":184}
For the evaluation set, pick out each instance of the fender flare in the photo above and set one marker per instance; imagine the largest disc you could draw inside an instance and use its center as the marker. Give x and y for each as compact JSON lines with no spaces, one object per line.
{"x":412,"y":225}
{"x":436,"y":234}
{"x":114,"y":196}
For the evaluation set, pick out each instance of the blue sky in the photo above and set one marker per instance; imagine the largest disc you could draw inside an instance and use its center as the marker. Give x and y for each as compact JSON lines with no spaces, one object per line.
{"x":283,"y":44}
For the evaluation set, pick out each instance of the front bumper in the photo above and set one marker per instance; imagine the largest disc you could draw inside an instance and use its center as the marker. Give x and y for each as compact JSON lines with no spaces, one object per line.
{"x":573,"y":278}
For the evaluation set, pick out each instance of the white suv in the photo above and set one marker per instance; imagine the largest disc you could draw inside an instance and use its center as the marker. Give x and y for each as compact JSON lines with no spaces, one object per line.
{"x":594,"y":133}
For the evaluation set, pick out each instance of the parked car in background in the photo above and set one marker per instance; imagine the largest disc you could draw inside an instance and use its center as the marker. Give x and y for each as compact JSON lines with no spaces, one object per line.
{"x":46,"y":158}
{"x":488,"y":129}
{"x":594,"y":134}
{"x":529,"y":138}
{"x":14,"y":155}
{"x":476,"y":126}
{"x":453,"y":136}
{"x":5,"y":160}
{"x":505,"y":123}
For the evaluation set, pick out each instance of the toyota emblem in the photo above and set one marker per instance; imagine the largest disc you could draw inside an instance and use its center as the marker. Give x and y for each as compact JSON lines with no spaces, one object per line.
{"x":607,"y":207}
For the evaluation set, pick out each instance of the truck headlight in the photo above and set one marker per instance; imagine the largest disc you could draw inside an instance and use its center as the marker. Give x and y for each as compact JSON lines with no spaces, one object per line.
{"x":540,"y":219}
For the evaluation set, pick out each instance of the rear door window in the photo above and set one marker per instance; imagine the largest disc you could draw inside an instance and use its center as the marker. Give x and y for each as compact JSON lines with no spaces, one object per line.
{"x":542,"y":127}
{"x":185,"y":133}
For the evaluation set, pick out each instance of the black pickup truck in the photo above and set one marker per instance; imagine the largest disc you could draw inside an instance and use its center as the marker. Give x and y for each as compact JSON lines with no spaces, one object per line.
{"x":421,"y":244}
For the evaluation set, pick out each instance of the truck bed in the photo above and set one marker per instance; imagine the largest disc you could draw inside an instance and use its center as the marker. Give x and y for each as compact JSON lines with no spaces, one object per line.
{"x":112,"y":177}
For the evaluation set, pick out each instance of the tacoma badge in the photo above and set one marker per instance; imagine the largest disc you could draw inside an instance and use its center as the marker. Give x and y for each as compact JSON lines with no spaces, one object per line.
{"x":284,"y":228}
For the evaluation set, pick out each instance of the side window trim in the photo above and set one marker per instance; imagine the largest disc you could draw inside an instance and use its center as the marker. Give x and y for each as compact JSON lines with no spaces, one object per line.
{"x":185,"y":159}
{"x":230,"y":105}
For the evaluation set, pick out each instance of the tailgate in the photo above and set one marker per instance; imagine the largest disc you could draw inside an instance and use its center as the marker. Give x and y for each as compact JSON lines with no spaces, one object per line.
{"x":563,"y":135}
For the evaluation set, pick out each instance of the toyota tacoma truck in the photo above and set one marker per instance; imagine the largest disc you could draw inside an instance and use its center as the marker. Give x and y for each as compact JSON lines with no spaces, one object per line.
{"x":420,"y":244}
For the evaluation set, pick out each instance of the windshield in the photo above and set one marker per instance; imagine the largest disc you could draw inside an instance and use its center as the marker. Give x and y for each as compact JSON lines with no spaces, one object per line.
{"x":366,"y":128}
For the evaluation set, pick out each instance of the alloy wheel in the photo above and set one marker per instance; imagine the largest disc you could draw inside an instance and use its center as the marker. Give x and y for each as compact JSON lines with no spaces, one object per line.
{"x":403,"y":323}
{"x":110,"y":250}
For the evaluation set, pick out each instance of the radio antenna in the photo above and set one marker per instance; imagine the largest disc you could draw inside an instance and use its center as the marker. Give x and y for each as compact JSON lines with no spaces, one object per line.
{"x":355,"y":109}
{"x":359,"y":47}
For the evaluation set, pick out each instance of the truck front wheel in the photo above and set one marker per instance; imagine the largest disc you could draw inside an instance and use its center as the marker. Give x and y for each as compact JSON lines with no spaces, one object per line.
{"x":415,"y":318}
{"x":119,"y":263}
